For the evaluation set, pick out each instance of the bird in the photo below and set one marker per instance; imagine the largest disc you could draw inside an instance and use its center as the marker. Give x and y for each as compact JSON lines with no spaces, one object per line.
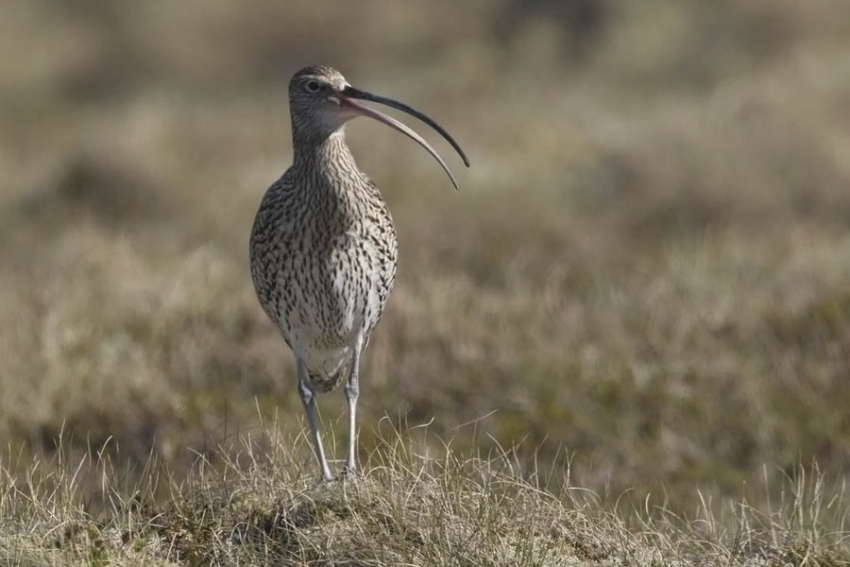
{"x":323,"y":247}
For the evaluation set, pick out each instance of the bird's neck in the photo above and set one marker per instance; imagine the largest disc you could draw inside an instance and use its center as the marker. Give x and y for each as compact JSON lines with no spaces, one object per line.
{"x":322,"y":151}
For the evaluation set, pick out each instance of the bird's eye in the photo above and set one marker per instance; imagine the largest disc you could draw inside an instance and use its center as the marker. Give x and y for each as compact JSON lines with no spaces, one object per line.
{"x":313,"y":86}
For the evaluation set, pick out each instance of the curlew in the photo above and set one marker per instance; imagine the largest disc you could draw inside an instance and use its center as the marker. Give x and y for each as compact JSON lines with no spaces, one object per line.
{"x":323,"y":246}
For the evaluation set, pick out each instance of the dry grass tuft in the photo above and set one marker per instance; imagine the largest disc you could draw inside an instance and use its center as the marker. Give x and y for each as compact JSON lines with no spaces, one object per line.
{"x":408,"y":509}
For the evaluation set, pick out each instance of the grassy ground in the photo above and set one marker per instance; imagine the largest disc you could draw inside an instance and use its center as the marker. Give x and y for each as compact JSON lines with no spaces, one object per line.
{"x":645,"y":269}
{"x":408,"y":509}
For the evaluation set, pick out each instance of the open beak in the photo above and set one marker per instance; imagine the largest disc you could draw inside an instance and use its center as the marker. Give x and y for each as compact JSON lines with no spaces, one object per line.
{"x":347,"y":98}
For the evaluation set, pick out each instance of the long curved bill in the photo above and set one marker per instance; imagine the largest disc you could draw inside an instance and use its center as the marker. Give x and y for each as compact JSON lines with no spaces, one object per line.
{"x":348,"y":95}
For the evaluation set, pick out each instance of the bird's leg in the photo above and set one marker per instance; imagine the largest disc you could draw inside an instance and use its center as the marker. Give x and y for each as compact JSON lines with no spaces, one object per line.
{"x":308,"y":398}
{"x":352,"y":392}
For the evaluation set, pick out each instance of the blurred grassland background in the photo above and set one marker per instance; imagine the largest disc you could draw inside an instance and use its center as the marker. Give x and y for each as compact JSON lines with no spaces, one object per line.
{"x":647,"y":266}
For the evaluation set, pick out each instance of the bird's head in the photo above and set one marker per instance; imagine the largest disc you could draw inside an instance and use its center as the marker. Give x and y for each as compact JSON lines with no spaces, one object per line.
{"x":321,"y":101}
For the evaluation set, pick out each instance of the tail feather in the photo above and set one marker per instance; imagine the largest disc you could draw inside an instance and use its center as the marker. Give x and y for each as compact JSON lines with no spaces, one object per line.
{"x":325,"y":379}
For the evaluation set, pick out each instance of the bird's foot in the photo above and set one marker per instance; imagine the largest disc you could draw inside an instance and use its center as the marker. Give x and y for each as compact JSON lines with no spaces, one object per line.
{"x":325,"y":480}
{"x":350,"y":472}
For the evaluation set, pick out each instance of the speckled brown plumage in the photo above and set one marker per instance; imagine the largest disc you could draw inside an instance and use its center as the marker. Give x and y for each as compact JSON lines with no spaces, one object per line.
{"x":323,"y":246}
{"x":323,"y":258}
